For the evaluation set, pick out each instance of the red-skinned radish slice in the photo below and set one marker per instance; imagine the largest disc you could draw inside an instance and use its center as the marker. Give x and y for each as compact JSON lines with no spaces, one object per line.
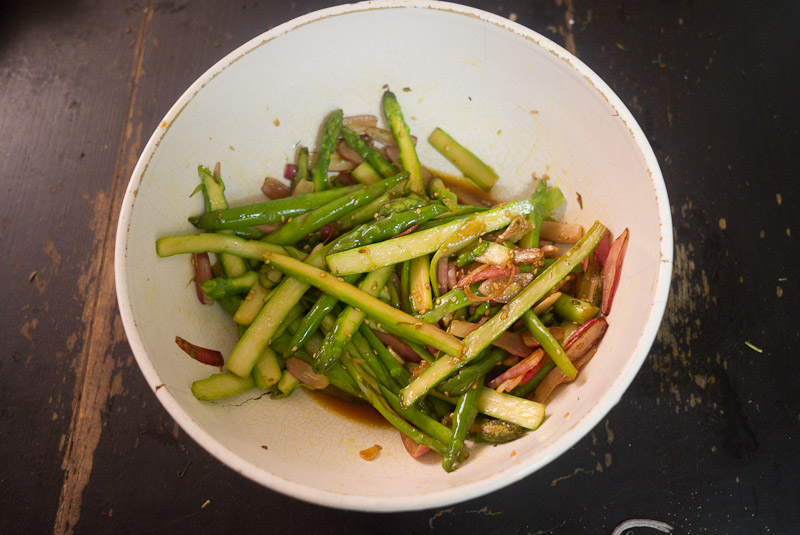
{"x":212,"y":357}
{"x":202,"y":273}
{"x":612,"y":271}
{"x":413,"y":448}
{"x":305,"y":374}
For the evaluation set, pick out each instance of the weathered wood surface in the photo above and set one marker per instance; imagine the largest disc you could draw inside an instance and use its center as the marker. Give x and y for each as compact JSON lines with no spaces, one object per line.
{"x":705,"y":437}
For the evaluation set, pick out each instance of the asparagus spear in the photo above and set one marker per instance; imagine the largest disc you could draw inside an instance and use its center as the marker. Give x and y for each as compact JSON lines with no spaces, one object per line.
{"x":419,"y":243}
{"x":402,"y":136}
{"x":330,"y":135}
{"x":390,"y":318}
{"x":469,"y":164}
{"x":268,"y":212}
{"x":463,"y":417}
{"x":298,"y":227}
{"x":214,"y":193}
{"x":549,"y":343}
{"x":348,"y":322}
{"x":224,"y":286}
{"x":479,"y":339}
{"x":372,"y":156}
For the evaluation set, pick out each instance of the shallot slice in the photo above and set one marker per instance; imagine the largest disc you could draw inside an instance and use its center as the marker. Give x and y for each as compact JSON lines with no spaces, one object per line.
{"x":519,"y":369}
{"x":601,"y":249}
{"x":275,"y":189}
{"x":612,"y":269}
{"x":580,"y":348}
{"x":507,"y":340}
{"x":441,"y":271}
{"x":290,"y":171}
{"x":304,"y":373}
{"x":414,"y":448}
{"x":212,"y":357}
{"x":399,"y":346}
{"x":202,"y":273}
{"x":348,"y":154}
{"x":360,"y":123}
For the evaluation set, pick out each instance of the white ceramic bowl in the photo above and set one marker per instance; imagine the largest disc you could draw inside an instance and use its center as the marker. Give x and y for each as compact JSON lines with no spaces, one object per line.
{"x":520,"y":101}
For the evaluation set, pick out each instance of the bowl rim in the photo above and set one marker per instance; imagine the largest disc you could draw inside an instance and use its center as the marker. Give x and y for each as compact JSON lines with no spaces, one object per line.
{"x":436,"y":498}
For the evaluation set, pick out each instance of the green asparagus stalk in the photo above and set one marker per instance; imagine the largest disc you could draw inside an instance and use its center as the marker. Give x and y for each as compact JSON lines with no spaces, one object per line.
{"x":391,"y":319}
{"x":463,"y":417}
{"x":438,"y":190}
{"x":469,"y":233}
{"x":420,"y":285}
{"x":365,"y":174}
{"x":367,"y":212}
{"x":371,"y":392}
{"x":225,"y":286}
{"x":372,"y":156}
{"x":402,"y":136}
{"x":221,"y":385}
{"x":469,"y":164}
{"x":267,"y":371}
{"x":251,"y":305}
{"x":419,"y":243}
{"x":385,"y":227}
{"x":214,"y":193}
{"x":302,"y":167}
{"x":297,"y":228}
{"x":575,"y":310}
{"x":525,"y":389}
{"x":348,"y":322}
{"x":523,"y":412}
{"x":480,"y":338}
{"x":323,"y":306}
{"x":549,"y":343}
{"x":215,"y":243}
{"x":395,"y":369}
{"x":270,"y":212}
{"x":330,"y":136}
{"x":466,"y":376}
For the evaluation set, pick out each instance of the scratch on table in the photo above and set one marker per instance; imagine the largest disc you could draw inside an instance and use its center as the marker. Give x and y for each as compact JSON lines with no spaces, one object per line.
{"x":551,"y":530}
{"x":98,"y":379}
{"x":485,"y":511}
{"x":438,"y":514}
{"x":575,"y":472}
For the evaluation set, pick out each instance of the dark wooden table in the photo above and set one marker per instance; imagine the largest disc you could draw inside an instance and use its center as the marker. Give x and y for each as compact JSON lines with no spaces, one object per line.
{"x":705,"y":439}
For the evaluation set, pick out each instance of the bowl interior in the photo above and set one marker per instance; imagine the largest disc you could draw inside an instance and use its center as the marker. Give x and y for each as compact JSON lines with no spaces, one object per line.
{"x":516,"y":99}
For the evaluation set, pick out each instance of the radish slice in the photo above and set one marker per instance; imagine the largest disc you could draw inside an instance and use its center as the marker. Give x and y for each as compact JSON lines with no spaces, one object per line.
{"x":305,"y":374}
{"x":202,"y":273}
{"x":413,"y":448}
{"x":212,"y":357}
{"x":612,"y":270}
